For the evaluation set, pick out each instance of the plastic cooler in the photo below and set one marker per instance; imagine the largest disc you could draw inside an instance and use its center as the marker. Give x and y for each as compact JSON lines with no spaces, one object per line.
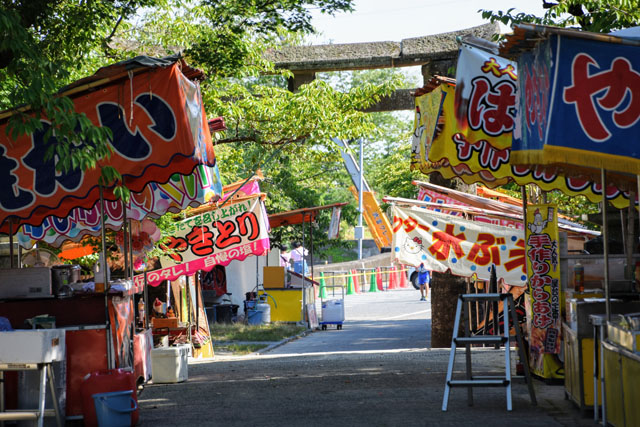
{"x":110,"y":380}
{"x":333,"y":311}
{"x":169,"y":364}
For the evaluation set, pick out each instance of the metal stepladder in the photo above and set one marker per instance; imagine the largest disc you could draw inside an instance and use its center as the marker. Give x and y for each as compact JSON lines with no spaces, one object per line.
{"x":46,"y":376}
{"x":462,"y":311}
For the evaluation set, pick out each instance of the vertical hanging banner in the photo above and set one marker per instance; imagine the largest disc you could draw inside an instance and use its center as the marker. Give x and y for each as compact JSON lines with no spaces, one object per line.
{"x":543,"y":266}
{"x":213,"y":238}
{"x":426,"y":118}
{"x":449,"y":243}
{"x":334,"y":225}
{"x":376,"y":220}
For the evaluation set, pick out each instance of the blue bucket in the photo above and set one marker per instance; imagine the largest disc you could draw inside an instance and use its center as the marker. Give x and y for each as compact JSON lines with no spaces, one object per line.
{"x":114,"y":409}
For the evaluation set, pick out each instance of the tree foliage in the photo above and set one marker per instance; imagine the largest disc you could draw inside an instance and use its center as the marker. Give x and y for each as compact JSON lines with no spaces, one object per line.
{"x":593,"y":15}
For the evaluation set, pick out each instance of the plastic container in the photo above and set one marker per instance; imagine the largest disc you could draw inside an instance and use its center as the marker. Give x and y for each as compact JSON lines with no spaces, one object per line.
{"x":226,"y":312}
{"x":260,"y":314}
{"x":333,"y":311}
{"x":114,"y":408}
{"x":169,"y":364}
{"x":32,"y":346}
{"x":101,"y":274}
{"x":108,"y":380}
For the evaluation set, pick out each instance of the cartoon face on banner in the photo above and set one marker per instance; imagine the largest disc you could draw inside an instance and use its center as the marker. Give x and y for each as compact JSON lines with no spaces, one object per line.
{"x":448,"y":243}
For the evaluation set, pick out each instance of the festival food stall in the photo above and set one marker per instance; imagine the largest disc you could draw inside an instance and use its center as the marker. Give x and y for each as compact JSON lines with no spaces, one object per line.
{"x":294,"y":295}
{"x":469,"y":131}
{"x":579,"y":114}
{"x":160,"y":135}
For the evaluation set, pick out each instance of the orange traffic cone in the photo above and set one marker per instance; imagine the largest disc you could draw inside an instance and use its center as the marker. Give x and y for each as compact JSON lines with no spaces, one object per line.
{"x":392,"y":279}
{"x":356,"y":282}
{"x":403,"y":276}
{"x":379,"y":279}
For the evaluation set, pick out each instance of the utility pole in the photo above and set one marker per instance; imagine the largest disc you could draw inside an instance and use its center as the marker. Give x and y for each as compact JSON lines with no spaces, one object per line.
{"x":359,"y":234}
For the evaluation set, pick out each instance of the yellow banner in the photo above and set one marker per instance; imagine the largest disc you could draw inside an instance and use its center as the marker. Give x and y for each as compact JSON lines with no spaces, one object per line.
{"x":472,"y":156}
{"x":376,"y":220}
{"x":543,"y":270}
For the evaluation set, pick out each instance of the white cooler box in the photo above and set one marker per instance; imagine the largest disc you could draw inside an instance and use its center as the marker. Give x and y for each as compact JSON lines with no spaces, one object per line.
{"x":32,"y":346}
{"x":333,"y":310}
{"x":170,"y":364}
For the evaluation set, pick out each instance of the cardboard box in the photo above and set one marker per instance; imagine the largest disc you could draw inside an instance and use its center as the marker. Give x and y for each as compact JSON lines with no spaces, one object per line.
{"x":273,"y":277}
{"x":169,"y":322}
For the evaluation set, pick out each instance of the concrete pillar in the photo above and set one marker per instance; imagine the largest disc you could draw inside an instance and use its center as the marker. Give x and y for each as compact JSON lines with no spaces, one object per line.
{"x":300,"y":78}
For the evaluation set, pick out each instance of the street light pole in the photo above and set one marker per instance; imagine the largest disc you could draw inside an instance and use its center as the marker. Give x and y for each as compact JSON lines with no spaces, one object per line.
{"x":360,"y":233}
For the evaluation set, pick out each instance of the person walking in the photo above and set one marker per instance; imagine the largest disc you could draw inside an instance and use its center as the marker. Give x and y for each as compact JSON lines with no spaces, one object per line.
{"x":424,"y":277}
{"x":297,"y":257}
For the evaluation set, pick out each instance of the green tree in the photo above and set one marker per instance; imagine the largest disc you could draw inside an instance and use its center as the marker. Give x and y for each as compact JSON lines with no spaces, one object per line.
{"x":595,"y":15}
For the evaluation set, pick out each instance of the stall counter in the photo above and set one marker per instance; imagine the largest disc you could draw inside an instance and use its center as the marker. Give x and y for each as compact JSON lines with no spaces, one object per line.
{"x":288,"y":303}
{"x":622,"y":394}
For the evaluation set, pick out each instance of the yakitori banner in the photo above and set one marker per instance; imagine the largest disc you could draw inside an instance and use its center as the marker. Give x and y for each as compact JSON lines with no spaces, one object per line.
{"x":543,"y":265}
{"x":579,"y":104}
{"x":218,"y":237}
{"x":449,"y":243}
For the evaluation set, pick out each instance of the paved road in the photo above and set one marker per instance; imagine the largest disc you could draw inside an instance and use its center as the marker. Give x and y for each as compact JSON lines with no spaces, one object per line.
{"x":377,"y":371}
{"x":373,"y":321}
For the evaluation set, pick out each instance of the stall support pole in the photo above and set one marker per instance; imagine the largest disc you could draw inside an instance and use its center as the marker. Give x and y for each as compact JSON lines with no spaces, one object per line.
{"x":110,"y":364}
{"x":187,"y":289}
{"x":360,"y":209}
{"x":304,"y":261}
{"x":125,"y":240}
{"x":605,"y":243}
{"x":11,"y":242}
{"x":311,"y":245}
{"x":145,"y":296}
{"x":196,"y":285}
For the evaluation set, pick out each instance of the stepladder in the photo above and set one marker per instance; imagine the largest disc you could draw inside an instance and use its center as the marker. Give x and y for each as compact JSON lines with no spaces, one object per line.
{"x":46,"y":376}
{"x":501,"y":339}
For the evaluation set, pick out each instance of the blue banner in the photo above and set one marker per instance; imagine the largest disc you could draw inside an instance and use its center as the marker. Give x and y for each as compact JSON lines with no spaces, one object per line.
{"x":579,"y":104}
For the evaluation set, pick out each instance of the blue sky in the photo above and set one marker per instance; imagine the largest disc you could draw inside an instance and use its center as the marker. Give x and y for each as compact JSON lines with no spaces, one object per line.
{"x":382,"y":20}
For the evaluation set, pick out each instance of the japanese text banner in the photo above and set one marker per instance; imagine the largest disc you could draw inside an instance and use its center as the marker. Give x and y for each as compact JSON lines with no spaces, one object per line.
{"x":444,"y":242}
{"x":159,"y":128}
{"x":543,"y":264}
{"x":180,"y":192}
{"x":218,"y":237}
{"x":579,"y":104}
{"x":453,"y":154}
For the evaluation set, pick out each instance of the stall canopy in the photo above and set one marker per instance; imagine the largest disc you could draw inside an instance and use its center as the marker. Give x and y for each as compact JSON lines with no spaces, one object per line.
{"x":579,"y":106}
{"x":155,"y":112}
{"x":299,"y":216}
{"x":580,"y":100}
{"x":466,"y":131}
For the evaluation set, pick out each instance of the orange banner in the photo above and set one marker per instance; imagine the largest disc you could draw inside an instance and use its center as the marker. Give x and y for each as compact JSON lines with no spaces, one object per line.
{"x":159,"y":128}
{"x":376,"y":220}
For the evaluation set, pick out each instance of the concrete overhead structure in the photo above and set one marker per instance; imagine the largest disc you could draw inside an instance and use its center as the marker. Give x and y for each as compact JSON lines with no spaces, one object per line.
{"x":436,"y":54}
